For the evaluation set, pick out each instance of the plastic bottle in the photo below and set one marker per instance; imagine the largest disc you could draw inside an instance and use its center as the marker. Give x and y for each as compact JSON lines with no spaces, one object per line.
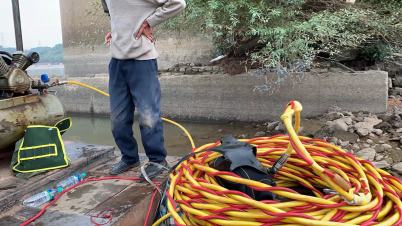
{"x":70,"y":181}
{"x":40,"y":198}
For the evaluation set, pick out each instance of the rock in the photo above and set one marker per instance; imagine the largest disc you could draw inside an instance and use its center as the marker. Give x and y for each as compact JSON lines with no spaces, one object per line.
{"x":359,"y":119}
{"x":389,"y":160}
{"x":382,"y":164}
{"x":366,"y":145}
{"x":362,"y":131}
{"x":365,"y":127}
{"x":379,"y":132}
{"x":399,"y":130}
{"x":396,"y":124}
{"x":363,"y":114}
{"x":398,"y":167}
{"x":348,"y":120}
{"x":369,"y":141}
{"x":260,"y":134}
{"x":367,"y":153}
{"x":383,"y":126}
{"x":350,"y":136}
{"x":272,"y":125}
{"x":355,"y":147}
{"x":381,"y":142}
{"x":334,"y":115}
{"x":379,"y":148}
{"x":379,"y":157}
{"x":395,"y":119}
{"x":333,"y":140}
{"x":323,"y":133}
{"x":372,"y":135}
{"x":386,"y":117}
{"x":338,"y":124}
{"x":348,"y":113}
{"x":373,"y":120}
{"x":280,"y":127}
{"x":386,"y":147}
{"x":344,"y":143}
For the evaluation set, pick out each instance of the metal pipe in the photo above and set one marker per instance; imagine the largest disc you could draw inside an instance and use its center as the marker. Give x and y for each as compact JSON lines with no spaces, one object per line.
{"x":17,"y":25}
{"x":4,"y":68}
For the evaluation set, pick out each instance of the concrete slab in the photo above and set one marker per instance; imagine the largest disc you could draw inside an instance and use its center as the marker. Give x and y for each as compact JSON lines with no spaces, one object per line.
{"x":83,"y":199}
{"x":82,"y":157}
{"x":53,"y":218}
{"x":125,"y":201}
{"x":225,"y":97}
{"x":62,"y":218}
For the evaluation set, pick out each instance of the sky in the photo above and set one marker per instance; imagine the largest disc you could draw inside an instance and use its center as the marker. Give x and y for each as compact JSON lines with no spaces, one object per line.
{"x":41,"y":23}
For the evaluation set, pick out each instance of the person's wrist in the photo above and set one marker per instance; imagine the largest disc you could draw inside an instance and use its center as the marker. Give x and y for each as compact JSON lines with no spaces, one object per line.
{"x":147,"y":23}
{"x":151,"y":21}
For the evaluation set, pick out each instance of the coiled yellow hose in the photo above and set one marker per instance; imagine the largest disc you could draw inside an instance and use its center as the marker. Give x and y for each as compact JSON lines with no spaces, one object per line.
{"x":360,"y":193}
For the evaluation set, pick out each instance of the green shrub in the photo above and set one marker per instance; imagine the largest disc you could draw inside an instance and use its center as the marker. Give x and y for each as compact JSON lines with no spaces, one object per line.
{"x":282,"y":32}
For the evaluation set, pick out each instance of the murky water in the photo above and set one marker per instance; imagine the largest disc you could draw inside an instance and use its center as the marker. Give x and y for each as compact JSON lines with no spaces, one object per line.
{"x":97,"y":130}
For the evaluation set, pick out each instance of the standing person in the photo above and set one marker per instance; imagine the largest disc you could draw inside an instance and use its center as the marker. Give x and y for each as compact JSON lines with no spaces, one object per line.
{"x":133,"y":78}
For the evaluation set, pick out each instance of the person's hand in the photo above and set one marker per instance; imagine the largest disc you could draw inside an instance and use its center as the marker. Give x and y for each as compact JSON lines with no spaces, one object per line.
{"x":108,"y":39}
{"x":145,"y":30}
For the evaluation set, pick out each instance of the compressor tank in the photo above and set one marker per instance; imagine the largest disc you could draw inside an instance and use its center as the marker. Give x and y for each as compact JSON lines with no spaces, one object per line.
{"x":18,"y":112}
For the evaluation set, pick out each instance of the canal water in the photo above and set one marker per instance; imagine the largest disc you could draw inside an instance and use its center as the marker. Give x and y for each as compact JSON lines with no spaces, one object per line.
{"x":97,"y":130}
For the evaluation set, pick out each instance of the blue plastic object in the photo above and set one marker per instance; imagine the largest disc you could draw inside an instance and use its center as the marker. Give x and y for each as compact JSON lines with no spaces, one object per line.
{"x":44,"y":78}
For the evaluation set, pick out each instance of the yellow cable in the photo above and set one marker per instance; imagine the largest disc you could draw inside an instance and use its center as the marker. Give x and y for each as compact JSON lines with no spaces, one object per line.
{"x":342,"y":174}
{"x":88,"y":87}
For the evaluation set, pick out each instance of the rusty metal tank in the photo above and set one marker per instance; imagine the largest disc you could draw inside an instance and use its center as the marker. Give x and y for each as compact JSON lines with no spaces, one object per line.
{"x":18,"y":112}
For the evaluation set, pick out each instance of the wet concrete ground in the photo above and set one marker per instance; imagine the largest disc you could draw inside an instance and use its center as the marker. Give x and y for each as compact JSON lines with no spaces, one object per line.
{"x":126,"y":202}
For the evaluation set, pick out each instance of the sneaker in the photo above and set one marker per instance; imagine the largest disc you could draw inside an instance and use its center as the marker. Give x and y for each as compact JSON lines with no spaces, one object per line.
{"x":122,"y":167}
{"x":153,"y":170}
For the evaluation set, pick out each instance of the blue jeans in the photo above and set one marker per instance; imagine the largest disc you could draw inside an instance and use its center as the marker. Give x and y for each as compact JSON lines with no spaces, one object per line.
{"x":134,"y":84}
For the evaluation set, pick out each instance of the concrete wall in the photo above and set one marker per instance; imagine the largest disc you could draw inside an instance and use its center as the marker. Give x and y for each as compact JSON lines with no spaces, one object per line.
{"x":224,"y":97}
{"x":84,"y":26}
